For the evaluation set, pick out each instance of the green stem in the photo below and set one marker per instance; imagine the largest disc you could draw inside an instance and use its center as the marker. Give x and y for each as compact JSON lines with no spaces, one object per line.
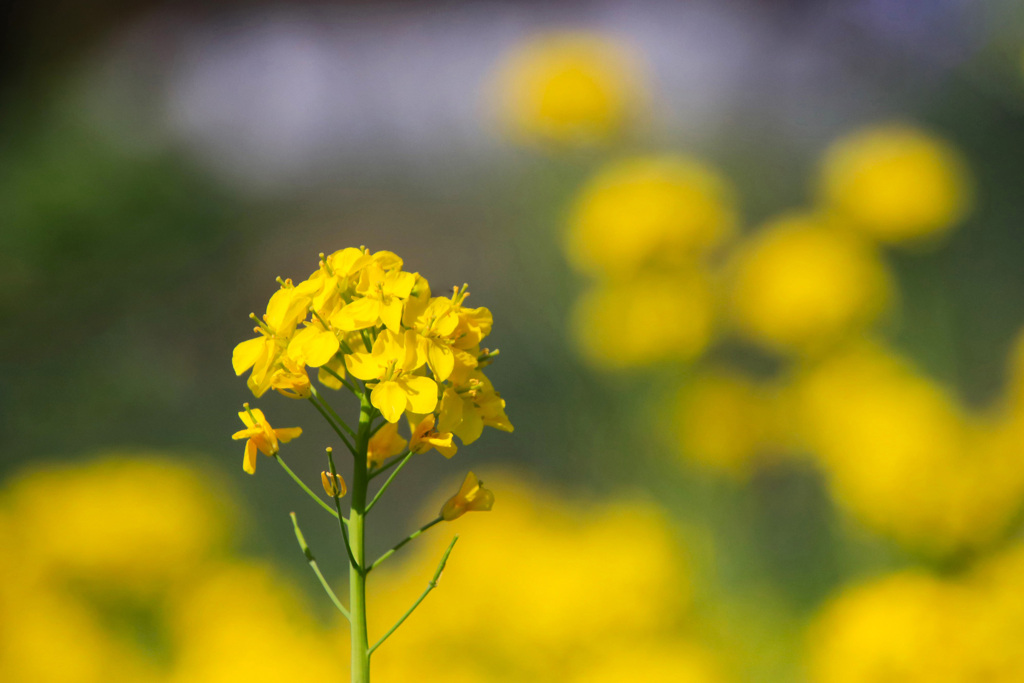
{"x":430,"y":586}
{"x":403,"y":542}
{"x":305,"y":488}
{"x":356,"y":573}
{"x":312,"y":563}
{"x":387,"y":482}
{"x":348,"y":385}
{"x":337,"y":430}
{"x":337,"y":505}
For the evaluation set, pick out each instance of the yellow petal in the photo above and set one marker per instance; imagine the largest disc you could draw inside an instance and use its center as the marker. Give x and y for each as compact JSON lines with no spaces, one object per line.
{"x":249,"y":461}
{"x":287,"y":434}
{"x":391,"y":315}
{"x":321,"y":348}
{"x":399,"y":283}
{"x":357,"y":315}
{"x":482,"y":501}
{"x":442,"y":360}
{"x":451,"y":411}
{"x":471,"y":427}
{"x":390,"y":399}
{"x":364,"y":366}
{"x":421,"y":391}
{"x":246,"y":354}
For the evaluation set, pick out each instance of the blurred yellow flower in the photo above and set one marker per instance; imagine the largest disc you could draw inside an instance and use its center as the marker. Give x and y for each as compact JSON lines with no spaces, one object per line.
{"x":260,"y":436}
{"x":647,"y":660}
{"x":135,"y":523}
{"x":724,"y":421}
{"x":903,"y":628}
{"x":244,"y":622}
{"x":472,"y":497}
{"x":918,"y":628}
{"x":653,"y":318}
{"x":896,"y":183}
{"x":902,"y":456}
{"x":663,"y":210}
{"x":802,"y":282}
{"x":546,"y":626}
{"x":569,"y":88}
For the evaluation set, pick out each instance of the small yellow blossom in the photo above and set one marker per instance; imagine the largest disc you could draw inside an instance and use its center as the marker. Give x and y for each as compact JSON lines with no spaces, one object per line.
{"x":571,"y":88}
{"x":472,"y":497}
{"x":334,"y":486}
{"x":660,"y":210}
{"x":896,"y":183}
{"x":383,"y":293}
{"x":384,"y":444}
{"x":286,"y":309}
{"x":392,"y":363}
{"x":424,"y":437}
{"x":261,"y":436}
{"x":467,"y":409}
{"x":436,"y":327}
{"x":803,"y":282}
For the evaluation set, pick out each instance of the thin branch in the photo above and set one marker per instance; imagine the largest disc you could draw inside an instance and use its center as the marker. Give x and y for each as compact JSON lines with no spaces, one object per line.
{"x":312,"y":563}
{"x":387,"y":466}
{"x":430,"y":586}
{"x":403,"y":542}
{"x":337,"y":504}
{"x":305,"y":488}
{"x":337,"y":418}
{"x":348,"y":385}
{"x":387,"y":482}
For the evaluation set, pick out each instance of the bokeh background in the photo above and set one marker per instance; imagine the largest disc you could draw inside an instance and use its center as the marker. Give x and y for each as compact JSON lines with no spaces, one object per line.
{"x":755,"y":269}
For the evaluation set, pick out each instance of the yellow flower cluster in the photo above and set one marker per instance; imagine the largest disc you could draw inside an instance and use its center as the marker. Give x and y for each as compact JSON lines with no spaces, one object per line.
{"x":917,"y":628}
{"x":610,"y":601}
{"x":359,"y":313}
{"x":121,"y":570}
{"x":810,"y":288}
{"x":568,"y":89}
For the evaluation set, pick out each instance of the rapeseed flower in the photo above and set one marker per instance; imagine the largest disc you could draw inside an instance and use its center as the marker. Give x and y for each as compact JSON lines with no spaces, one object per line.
{"x":424,"y":437}
{"x":360,"y":315}
{"x":656,"y":210}
{"x":724,"y":421}
{"x":392,"y":366}
{"x":110,"y":529}
{"x":385,"y":443}
{"x":571,"y":88}
{"x":260,"y":436}
{"x":904,"y":457}
{"x":472,"y":497}
{"x":803,"y":282}
{"x":650,"y":319}
{"x":896,"y":183}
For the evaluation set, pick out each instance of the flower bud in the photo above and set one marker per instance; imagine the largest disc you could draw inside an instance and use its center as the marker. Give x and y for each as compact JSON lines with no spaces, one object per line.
{"x":334,"y":486}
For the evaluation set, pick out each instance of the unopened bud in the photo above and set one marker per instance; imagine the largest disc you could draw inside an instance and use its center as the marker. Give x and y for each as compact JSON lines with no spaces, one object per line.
{"x":334,"y":486}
